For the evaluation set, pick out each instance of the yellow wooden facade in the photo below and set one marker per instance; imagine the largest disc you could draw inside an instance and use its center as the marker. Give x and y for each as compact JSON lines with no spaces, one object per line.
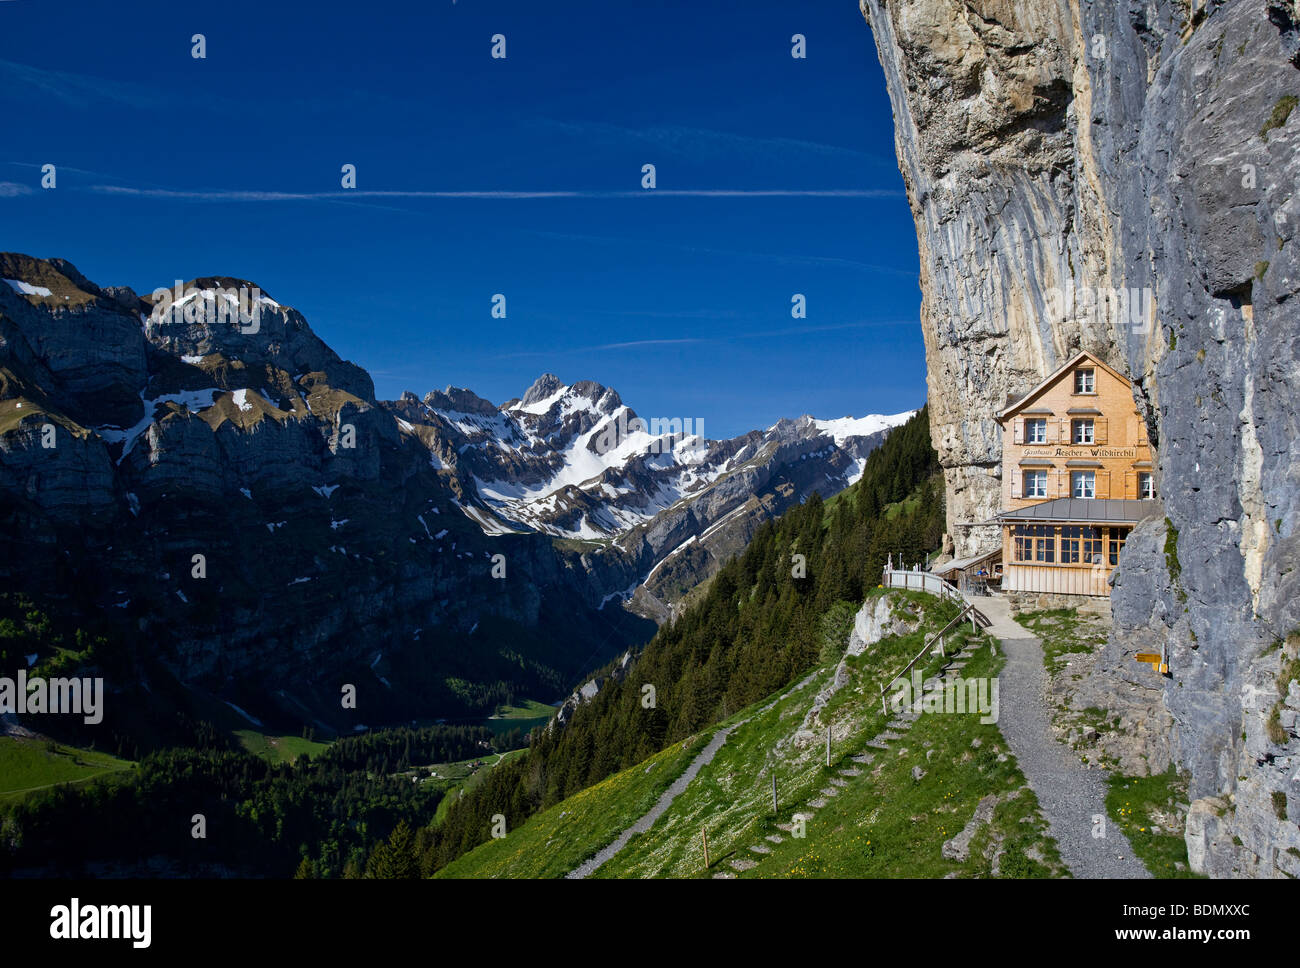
{"x":1074,"y":439}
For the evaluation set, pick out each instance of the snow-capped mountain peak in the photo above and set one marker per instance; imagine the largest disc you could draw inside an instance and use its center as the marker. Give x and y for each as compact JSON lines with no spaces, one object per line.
{"x":574,"y":461}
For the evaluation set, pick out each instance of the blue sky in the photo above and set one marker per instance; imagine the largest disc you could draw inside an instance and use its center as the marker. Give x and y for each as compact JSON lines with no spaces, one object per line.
{"x":171,"y":167}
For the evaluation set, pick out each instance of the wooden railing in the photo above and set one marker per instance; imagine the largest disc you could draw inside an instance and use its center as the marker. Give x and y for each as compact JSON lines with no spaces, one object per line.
{"x":978,"y":620}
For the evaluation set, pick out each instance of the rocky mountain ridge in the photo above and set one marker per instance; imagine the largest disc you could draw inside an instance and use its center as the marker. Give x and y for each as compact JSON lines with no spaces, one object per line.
{"x":199,"y":472}
{"x":576,"y":463}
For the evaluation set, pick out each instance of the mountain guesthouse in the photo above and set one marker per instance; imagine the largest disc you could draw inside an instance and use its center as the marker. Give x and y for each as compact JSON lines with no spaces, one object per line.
{"x":1077,"y":476}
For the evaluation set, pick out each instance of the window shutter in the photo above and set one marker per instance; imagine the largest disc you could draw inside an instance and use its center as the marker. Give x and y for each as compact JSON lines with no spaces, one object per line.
{"x":1099,"y":430}
{"x":1103,"y":484}
{"x":1058,"y":484}
{"x":1130,"y":485}
{"x":1020,"y":430}
{"x":1063,"y":430}
{"x":1015,"y":483}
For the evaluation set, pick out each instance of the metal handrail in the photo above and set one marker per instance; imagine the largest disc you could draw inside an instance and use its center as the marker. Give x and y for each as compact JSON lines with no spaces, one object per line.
{"x":976,"y":618}
{"x":924,"y":581}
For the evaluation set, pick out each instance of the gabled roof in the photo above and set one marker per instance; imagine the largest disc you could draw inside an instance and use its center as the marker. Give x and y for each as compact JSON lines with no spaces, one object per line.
{"x":1066,"y":367}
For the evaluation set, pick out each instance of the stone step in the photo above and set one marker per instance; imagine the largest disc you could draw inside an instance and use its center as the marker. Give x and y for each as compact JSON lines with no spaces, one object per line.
{"x":836,"y":781}
{"x":724,"y":876}
{"x":851,"y":771}
{"x":863,"y":758}
{"x":777,"y":838}
{"x":818,"y":803}
{"x":760,"y":849}
{"x":743,"y":864}
{"x":830,"y":791}
{"x":900,"y":723}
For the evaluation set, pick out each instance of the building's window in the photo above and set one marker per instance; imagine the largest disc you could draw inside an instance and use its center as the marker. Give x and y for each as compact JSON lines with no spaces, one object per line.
{"x":1083,"y":484}
{"x":1035,"y":483}
{"x":1070,"y":544}
{"x":1035,"y":542}
{"x":1018,"y":551}
{"x":1083,"y":432}
{"x":1092,"y":546}
{"x":1085,"y":381}
{"x":1045,"y":543}
{"x":1146,"y":487}
{"x":1117,"y":536}
{"x":1080,"y":545}
{"x":1036,"y":431}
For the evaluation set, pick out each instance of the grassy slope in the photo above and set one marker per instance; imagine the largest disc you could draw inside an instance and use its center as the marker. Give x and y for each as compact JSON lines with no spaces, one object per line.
{"x":530,"y":709}
{"x":277,"y":749}
{"x":557,"y":840}
{"x":27,"y":765}
{"x":459,"y":778}
{"x":1063,"y":631}
{"x":1144,"y":808}
{"x":525,"y":716}
{"x":869,"y":830}
{"x":883,"y":824}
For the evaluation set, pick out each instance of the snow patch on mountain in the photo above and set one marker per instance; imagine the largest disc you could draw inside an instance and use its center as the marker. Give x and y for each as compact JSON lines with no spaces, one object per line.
{"x":842,"y":428}
{"x":195,"y":400}
{"x":542,"y":406}
{"x":26,"y":289}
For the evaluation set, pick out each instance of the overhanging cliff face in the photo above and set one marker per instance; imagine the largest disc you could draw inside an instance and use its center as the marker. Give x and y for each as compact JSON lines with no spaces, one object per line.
{"x":1143,"y":157}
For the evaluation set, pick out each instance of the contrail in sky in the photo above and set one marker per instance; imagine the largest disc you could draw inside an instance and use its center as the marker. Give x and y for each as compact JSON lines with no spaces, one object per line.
{"x":239,"y":195}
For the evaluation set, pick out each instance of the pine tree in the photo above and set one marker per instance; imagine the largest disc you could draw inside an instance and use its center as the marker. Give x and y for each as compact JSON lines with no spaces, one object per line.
{"x":396,"y":859}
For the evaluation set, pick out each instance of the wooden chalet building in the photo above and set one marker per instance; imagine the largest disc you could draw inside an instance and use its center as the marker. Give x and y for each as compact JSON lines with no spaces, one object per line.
{"x":1077,"y":475}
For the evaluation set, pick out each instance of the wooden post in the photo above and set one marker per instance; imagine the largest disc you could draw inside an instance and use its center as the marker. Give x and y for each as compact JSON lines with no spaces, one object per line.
{"x":704,"y":833}
{"x":774,"y":807}
{"x":828,"y":746}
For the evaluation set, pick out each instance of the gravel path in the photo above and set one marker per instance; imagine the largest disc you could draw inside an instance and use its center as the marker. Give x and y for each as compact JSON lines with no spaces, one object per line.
{"x":1069,"y":793}
{"x":661,"y":806}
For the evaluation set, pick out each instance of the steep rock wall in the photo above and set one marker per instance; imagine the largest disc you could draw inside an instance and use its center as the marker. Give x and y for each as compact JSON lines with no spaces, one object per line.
{"x":1144,"y":149}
